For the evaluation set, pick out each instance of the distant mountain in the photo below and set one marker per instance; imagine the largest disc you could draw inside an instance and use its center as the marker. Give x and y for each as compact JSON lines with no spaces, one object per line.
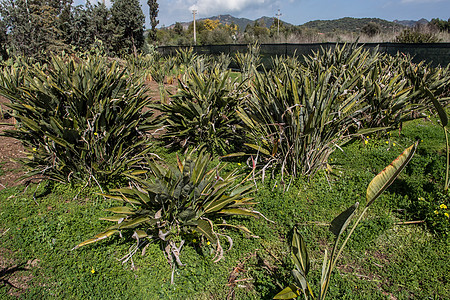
{"x":411,"y":23}
{"x":241,"y":22}
{"x":350,"y":24}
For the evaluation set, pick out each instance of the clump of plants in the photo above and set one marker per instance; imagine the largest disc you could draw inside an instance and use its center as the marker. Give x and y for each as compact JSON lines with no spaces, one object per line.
{"x":203,"y":111}
{"x":79,"y":120}
{"x":177,"y":201}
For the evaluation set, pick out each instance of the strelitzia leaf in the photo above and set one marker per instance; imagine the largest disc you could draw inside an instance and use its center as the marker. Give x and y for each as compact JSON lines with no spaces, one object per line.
{"x":385,"y":178}
{"x":121,"y":210}
{"x":341,"y":222}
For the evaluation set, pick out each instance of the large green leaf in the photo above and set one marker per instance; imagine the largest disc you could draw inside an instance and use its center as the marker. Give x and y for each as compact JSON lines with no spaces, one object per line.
{"x":385,"y":178}
{"x":340,"y":223}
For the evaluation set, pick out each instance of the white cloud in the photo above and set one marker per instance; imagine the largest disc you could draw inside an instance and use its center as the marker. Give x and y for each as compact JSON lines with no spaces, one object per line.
{"x":211,"y":7}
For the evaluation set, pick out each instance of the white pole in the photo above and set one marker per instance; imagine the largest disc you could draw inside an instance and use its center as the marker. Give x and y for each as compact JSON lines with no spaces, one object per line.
{"x":195,"y":36}
{"x":278,"y":19}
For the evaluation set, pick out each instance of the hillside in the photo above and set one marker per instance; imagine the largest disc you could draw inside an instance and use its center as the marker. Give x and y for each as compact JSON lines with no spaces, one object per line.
{"x":241,"y":22}
{"x":350,"y":24}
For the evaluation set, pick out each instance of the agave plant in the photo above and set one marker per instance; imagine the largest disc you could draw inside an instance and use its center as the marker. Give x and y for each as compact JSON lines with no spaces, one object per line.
{"x":299,"y":252}
{"x":80,"y":121}
{"x":177,"y":201}
{"x":295,"y":120}
{"x":204,"y":111}
{"x":248,"y":62}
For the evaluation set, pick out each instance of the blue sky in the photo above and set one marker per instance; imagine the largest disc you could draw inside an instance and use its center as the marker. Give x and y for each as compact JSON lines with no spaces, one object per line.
{"x":298,"y":12}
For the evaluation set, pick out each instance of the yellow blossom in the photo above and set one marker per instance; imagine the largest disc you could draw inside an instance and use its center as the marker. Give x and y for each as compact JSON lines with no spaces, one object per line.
{"x":34,"y":149}
{"x":436,"y":212}
{"x":366,"y":141}
{"x":393,"y":144}
{"x":239,"y":164}
{"x":92,"y":271}
{"x":446,"y":214}
{"x":194,"y":241}
{"x":387,"y":142}
{"x":95,"y":133}
{"x":443,"y":206}
{"x":208,"y":243}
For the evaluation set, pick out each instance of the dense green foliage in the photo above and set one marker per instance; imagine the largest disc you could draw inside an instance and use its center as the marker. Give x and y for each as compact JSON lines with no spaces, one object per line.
{"x":80,"y":121}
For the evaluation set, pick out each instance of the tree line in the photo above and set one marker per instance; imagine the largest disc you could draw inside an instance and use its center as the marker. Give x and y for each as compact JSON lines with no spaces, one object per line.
{"x":36,"y":27}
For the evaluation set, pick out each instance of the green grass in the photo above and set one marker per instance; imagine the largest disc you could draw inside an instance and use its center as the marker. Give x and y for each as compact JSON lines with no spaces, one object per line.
{"x":383,"y":259}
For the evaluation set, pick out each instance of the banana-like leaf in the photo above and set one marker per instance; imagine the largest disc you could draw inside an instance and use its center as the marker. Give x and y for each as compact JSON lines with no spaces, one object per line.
{"x":340,"y":223}
{"x":299,"y":252}
{"x":291,"y":292}
{"x":385,"y":178}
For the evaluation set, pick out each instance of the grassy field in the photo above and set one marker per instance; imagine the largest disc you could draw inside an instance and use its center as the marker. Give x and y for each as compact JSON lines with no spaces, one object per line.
{"x":386,"y":258}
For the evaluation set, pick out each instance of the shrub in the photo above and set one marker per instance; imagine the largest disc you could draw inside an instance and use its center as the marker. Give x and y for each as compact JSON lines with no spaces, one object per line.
{"x":296,"y":119}
{"x":203,"y":112}
{"x":80,"y":121}
{"x":178,"y":201}
{"x":416,"y":37}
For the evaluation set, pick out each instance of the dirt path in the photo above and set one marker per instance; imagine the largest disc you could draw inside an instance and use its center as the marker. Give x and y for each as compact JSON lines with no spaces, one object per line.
{"x":10,"y":149}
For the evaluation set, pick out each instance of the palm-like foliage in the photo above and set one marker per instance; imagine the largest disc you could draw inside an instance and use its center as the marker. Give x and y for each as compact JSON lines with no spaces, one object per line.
{"x":204,"y":111}
{"x":79,"y":120}
{"x":187,"y":198}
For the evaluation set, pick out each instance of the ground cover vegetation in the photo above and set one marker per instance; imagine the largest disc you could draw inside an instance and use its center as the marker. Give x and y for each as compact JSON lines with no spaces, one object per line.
{"x":214,"y":181}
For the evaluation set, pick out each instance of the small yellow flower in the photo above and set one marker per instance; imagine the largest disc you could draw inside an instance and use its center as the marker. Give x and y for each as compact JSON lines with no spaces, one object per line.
{"x":208,"y":243}
{"x":34,"y":149}
{"x":393,"y":144}
{"x":387,"y":142}
{"x":95,"y":133}
{"x":443,"y":206}
{"x":436,"y":212}
{"x":421,"y":141}
{"x":92,"y":271}
{"x":446,"y":214}
{"x":421,"y":199}
{"x":239,"y":164}
{"x":366,"y":142}
{"x":194,"y":241}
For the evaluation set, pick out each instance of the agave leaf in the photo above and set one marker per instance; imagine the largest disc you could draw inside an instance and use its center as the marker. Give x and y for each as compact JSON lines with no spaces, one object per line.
{"x":441,"y":111}
{"x":299,"y":253}
{"x":238,"y":211}
{"x":385,"y":178}
{"x":132,"y":223}
{"x":96,"y":238}
{"x":258,"y":148}
{"x":340,"y":223}
{"x":205,"y":228}
{"x":121,"y":210}
{"x":301,"y":280}
{"x":291,"y":292}
{"x":115,"y":218}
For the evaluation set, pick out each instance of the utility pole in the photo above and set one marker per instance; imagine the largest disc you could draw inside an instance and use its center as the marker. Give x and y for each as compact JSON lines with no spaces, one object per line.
{"x":278,"y":19}
{"x":194,"y":11}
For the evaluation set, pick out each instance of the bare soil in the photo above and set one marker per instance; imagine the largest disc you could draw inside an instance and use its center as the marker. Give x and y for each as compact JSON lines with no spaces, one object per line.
{"x":10,"y":149}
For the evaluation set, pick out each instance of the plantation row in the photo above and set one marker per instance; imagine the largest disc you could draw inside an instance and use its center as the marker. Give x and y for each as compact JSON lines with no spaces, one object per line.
{"x":90,"y":121}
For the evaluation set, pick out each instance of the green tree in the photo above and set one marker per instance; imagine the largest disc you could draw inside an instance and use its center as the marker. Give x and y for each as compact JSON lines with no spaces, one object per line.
{"x":371,"y":29}
{"x":153,"y":5}
{"x":34,"y":26}
{"x":128,"y":21}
